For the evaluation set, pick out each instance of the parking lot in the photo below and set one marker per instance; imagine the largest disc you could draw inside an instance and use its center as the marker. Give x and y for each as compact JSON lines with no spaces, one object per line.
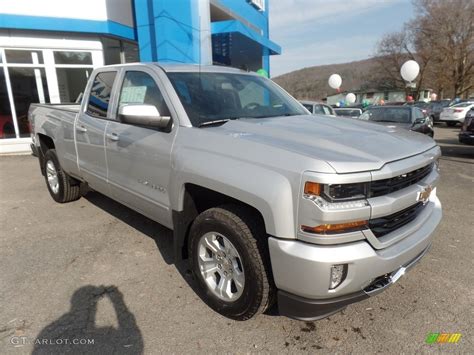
{"x":93,"y":269}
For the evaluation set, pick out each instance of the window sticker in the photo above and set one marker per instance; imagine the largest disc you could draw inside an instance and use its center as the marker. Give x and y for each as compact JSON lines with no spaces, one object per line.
{"x":133,"y":95}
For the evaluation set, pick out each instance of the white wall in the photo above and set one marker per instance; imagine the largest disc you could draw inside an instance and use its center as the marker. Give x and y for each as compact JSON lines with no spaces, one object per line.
{"x":98,"y":10}
{"x":35,"y":39}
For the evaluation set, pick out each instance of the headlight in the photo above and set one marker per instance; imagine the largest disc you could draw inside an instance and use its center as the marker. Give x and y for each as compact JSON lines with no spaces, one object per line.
{"x":345,"y":192}
{"x":336,"y":197}
{"x":337,"y":192}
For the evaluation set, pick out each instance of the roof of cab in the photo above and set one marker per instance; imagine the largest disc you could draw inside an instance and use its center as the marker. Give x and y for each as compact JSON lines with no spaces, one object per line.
{"x":179,"y":67}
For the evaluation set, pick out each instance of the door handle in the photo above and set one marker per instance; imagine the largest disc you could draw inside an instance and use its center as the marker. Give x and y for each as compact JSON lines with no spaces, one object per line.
{"x":113,"y":136}
{"x":81,"y":129}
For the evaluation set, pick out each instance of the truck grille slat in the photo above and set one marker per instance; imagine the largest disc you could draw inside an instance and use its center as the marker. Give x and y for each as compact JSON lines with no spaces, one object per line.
{"x":387,"y":224}
{"x":386,"y":186}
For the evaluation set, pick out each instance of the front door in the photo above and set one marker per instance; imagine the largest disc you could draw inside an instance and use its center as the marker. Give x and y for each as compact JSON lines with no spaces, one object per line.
{"x":90,"y":130}
{"x":139,"y":158}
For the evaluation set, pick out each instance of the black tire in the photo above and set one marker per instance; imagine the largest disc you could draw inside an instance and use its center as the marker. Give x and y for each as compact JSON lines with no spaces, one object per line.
{"x":451,"y":124}
{"x":243,"y":229}
{"x":68,"y":189}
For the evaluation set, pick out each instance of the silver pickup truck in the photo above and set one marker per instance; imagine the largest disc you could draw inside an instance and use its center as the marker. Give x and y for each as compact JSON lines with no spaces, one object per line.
{"x":266,"y":202}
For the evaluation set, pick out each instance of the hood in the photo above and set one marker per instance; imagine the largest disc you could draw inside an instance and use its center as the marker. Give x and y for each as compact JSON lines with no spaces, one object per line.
{"x":347,"y":145}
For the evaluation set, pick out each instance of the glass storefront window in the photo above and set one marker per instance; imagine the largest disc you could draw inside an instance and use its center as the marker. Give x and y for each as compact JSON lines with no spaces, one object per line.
{"x":15,"y":56}
{"x":76,"y":58}
{"x":130,"y":51}
{"x":7,"y":128}
{"x":116,"y":52}
{"x":28,"y":86}
{"x":112,"y":51}
{"x":72,"y":82}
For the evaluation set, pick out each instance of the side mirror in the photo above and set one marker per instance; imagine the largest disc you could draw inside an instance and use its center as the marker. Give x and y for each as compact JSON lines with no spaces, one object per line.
{"x":143,"y":115}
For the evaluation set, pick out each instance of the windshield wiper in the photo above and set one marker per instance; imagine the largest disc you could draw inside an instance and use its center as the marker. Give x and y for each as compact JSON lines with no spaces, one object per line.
{"x":217,"y":122}
{"x":385,"y":121}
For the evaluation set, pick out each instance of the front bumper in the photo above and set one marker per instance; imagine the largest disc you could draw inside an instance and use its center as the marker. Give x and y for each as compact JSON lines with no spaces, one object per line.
{"x":451,"y":118}
{"x":301,"y":308}
{"x":302,"y":270}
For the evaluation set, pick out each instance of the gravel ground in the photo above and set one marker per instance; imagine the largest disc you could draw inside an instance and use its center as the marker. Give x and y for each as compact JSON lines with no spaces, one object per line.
{"x":93,"y":270}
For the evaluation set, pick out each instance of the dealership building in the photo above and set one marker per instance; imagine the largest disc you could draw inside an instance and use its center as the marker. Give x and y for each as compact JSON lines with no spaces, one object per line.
{"x":49,"y":48}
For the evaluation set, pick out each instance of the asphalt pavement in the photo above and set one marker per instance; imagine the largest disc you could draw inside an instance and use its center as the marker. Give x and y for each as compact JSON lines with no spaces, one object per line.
{"x":98,"y":274}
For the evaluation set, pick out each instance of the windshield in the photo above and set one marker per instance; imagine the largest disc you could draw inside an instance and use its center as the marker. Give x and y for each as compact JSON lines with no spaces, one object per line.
{"x":347,"y":112}
{"x":308,"y":107}
{"x":210,"y":97}
{"x":421,"y":104}
{"x":387,"y":114}
{"x":463,"y":104}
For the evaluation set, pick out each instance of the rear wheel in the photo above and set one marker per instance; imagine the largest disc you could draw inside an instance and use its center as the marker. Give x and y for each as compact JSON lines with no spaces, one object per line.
{"x":61,"y":186}
{"x":229,"y":258}
{"x":451,"y":124}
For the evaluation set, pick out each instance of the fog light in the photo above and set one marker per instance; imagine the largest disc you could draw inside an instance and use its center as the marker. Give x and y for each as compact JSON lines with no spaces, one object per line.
{"x":338,"y":274}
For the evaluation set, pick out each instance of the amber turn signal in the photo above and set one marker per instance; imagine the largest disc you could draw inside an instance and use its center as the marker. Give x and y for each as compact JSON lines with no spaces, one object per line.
{"x":335,"y":228}
{"x":312,"y":188}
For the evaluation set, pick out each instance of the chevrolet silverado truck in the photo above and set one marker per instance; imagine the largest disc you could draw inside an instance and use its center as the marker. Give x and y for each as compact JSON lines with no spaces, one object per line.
{"x":267,"y":203}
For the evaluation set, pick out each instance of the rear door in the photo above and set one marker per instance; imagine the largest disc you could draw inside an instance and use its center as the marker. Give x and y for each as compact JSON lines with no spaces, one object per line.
{"x":139,"y":158}
{"x":90,"y":130}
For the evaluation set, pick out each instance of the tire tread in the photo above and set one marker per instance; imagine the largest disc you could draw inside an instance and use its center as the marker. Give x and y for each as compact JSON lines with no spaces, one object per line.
{"x":254,"y":238}
{"x":70,"y":192}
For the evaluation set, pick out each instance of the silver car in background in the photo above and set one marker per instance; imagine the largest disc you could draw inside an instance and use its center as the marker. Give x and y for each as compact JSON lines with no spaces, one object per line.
{"x":455,"y":114}
{"x":318,"y":108}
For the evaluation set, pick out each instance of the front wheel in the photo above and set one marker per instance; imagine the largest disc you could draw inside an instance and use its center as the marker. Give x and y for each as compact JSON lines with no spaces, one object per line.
{"x":451,"y":124}
{"x":62,"y":188}
{"x":229,"y":258}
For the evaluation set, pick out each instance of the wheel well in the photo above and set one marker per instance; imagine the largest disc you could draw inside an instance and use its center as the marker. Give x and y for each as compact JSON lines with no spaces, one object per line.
{"x":46,"y":143}
{"x":198,"y":199}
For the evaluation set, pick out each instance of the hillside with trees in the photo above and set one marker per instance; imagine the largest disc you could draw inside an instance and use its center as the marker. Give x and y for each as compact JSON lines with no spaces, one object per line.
{"x":440,"y":38}
{"x":312,"y":83}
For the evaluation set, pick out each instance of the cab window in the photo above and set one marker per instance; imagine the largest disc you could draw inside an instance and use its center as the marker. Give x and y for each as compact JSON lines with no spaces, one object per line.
{"x":99,"y":97}
{"x":308,"y":107}
{"x":140,"y":88}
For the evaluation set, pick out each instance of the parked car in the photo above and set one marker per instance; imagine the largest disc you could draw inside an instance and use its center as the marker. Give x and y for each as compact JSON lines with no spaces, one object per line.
{"x":395,"y":103}
{"x":435,"y":108}
{"x":348,"y":112}
{"x":265,"y":202}
{"x":7,"y":129}
{"x":419,"y":104}
{"x":404,"y":117}
{"x":455,"y":114}
{"x":466,"y":135}
{"x":317,"y":108}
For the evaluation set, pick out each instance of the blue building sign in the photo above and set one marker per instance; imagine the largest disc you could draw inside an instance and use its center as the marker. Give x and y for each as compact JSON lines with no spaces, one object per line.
{"x":49,"y":48}
{"x":227,"y":32}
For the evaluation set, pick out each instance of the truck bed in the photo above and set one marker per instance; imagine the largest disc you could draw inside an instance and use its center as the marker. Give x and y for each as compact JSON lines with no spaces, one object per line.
{"x":56,"y":121}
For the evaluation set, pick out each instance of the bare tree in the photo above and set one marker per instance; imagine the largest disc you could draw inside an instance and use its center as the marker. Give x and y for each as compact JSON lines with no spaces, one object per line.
{"x":446,"y":29}
{"x":392,"y":51}
{"x":441,"y":40}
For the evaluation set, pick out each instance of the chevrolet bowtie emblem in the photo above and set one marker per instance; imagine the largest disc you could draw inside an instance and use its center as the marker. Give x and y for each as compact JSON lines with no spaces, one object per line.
{"x":424,"y":195}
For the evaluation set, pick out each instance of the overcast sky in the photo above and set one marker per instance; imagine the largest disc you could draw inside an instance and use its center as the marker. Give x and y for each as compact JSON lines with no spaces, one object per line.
{"x":317,"y":32}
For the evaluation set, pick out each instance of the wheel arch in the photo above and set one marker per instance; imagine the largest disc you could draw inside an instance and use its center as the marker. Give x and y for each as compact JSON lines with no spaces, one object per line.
{"x":45,"y":143}
{"x":195,"y":200}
